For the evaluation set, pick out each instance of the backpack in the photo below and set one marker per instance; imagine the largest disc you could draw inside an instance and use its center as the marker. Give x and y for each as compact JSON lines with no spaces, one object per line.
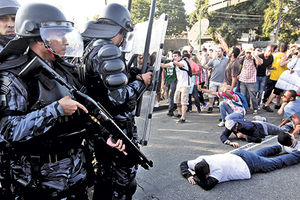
{"x":242,"y":98}
{"x":190,"y":73}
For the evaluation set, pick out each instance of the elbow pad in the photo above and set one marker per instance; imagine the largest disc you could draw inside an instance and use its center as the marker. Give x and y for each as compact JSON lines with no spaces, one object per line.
{"x":4,"y":90}
{"x":112,"y":68}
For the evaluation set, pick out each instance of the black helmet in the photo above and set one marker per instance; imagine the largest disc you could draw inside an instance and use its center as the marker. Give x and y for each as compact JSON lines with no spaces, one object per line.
{"x":29,"y":18}
{"x":117,"y":14}
{"x":50,"y":24}
{"x":8,"y":7}
{"x":114,"y":19}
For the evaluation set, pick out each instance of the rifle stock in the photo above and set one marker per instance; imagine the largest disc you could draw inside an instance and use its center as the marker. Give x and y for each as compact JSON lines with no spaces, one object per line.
{"x":97,"y":113}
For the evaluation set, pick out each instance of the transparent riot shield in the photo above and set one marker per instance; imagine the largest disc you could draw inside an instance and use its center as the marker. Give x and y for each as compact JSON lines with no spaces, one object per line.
{"x":136,"y":45}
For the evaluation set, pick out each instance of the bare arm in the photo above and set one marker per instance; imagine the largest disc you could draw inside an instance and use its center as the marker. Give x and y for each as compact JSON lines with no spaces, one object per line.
{"x":223,"y":43}
{"x":284,"y":60}
{"x":208,"y":91}
{"x":233,"y":83}
{"x":258,"y":60}
{"x":229,"y":95}
{"x":178,"y":64}
{"x":296,"y":121}
{"x":286,"y":120}
{"x":164,"y":65}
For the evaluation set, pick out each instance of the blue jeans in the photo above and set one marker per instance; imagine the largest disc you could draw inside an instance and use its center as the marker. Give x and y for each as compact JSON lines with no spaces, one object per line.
{"x":227,"y":112}
{"x":259,"y":162}
{"x":260,"y":86}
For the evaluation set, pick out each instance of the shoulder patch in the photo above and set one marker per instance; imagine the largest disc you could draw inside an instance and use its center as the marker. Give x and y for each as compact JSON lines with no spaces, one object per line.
{"x":4,"y":83}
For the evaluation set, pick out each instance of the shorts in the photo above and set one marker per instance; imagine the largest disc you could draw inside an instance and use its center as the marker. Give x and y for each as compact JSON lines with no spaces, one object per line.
{"x":277,"y":91}
{"x":215,"y":87}
{"x":182,"y":95}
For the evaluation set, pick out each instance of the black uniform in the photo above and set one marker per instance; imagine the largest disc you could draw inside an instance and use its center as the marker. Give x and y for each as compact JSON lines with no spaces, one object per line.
{"x":106,"y":81}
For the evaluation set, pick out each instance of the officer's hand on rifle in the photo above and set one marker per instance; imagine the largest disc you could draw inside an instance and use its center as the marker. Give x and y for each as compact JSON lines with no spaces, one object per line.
{"x":118,"y":145}
{"x":147,"y":78}
{"x":69,"y":105}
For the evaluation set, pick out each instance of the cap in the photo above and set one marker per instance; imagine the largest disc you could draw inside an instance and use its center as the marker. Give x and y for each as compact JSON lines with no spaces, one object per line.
{"x":229,"y":124}
{"x":248,"y":50}
{"x":8,"y":7}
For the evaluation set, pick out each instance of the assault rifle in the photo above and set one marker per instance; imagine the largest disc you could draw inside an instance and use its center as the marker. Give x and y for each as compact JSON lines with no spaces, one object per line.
{"x":96,"y":111}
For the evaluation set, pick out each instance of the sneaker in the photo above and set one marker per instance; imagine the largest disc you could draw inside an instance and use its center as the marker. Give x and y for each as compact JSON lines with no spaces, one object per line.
{"x":277,"y":107}
{"x":221,"y":124}
{"x":258,"y":108}
{"x":167,"y":100}
{"x":190,"y":111}
{"x":170,"y":114}
{"x":209,"y":110}
{"x":267,"y":108}
{"x":181,"y":121}
{"x":255,"y":112}
{"x":157,"y":105}
{"x":176,"y":116}
{"x":203,"y":107}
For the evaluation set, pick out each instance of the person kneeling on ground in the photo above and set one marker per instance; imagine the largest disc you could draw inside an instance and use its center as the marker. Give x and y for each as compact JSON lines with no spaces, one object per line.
{"x":213,"y":169}
{"x":232,"y":106}
{"x":250,"y":131}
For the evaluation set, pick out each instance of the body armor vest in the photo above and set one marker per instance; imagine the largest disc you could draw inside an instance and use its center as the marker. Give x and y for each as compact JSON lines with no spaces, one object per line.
{"x":66,"y":128}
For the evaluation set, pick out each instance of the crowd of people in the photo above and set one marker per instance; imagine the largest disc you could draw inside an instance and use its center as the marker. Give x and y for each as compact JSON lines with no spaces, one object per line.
{"x":238,"y":80}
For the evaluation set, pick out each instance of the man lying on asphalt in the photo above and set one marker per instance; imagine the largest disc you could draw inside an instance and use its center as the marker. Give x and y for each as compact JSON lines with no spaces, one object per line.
{"x":250,"y":131}
{"x":213,"y":169}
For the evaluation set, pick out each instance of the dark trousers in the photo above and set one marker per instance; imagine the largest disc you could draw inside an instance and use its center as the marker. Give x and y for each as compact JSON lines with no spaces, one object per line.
{"x":270,"y":85}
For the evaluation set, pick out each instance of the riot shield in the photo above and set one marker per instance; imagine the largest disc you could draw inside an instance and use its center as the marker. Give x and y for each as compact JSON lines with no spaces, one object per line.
{"x":136,"y":45}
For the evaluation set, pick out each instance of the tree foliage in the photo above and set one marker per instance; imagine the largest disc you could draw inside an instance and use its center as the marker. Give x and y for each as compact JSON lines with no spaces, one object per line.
{"x":173,"y":8}
{"x":140,"y":10}
{"x":177,"y":18}
{"x":289,"y":30}
{"x":232,"y":21}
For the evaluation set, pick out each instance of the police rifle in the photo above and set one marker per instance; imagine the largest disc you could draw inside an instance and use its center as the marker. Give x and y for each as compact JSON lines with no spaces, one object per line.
{"x":96,"y":112}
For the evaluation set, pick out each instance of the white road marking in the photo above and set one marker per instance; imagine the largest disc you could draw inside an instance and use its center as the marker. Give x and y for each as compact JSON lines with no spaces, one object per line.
{"x":253,"y":145}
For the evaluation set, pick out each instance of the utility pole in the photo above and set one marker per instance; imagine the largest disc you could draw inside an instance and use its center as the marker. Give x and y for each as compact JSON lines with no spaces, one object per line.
{"x":200,"y":28}
{"x":278,"y":23}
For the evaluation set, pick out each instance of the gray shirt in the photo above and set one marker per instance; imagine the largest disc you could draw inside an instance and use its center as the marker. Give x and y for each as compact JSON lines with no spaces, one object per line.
{"x":218,"y":69}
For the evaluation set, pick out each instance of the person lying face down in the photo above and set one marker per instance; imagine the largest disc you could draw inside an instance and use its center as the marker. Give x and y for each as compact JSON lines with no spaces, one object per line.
{"x":251,"y":131}
{"x":213,"y":169}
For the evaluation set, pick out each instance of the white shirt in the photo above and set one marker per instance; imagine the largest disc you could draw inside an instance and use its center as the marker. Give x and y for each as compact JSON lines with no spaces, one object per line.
{"x":224,"y":167}
{"x":291,"y":149}
{"x":183,"y":79}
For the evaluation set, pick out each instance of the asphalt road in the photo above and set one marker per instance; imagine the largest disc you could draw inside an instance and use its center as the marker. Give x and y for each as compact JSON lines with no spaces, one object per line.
{"x":171,"y":143}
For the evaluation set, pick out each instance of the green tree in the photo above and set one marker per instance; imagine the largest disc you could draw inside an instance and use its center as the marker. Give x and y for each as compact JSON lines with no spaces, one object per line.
{"x":140,"y":10}
{"x":176,"y":13}
{"x":232,"y":21}
{"x":289,"y":30}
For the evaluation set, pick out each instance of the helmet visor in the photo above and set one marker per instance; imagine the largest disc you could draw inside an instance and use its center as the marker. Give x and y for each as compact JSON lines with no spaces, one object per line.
{"x":62,"y":39}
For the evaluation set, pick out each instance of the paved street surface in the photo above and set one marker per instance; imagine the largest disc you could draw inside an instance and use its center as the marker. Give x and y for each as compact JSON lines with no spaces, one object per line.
{"x":171,"y":143}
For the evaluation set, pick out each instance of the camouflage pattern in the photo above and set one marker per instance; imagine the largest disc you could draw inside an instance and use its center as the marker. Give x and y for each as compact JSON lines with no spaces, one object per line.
{"x":44,"y":160}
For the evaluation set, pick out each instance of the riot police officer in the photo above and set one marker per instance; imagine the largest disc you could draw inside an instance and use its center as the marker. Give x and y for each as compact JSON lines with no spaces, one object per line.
{"x":40,"y":123}
{"x":106,"y":78}
{"x":8,"y":10}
